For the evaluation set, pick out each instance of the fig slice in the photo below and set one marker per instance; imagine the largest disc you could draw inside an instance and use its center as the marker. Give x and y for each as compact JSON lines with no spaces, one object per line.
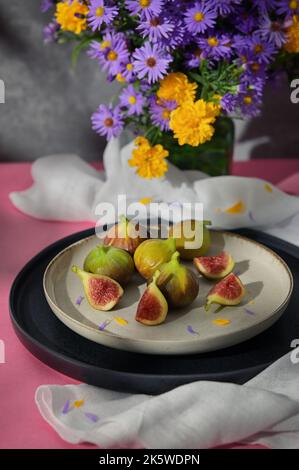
{"x":102,"y":292}
{"x":152,"y":308}
{"x":215,"y":267}
{"x":228,"y":291}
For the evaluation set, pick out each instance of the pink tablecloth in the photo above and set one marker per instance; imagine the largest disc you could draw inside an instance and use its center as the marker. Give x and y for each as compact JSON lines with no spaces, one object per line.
{"x":21,"y":426}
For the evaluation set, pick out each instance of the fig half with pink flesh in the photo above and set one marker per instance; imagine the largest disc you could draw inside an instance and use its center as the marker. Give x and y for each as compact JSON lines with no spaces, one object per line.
{"x":215,"y":267}
{"x":102,"y":292}
{"x":152,"y":308}
{"x":228,"y":291}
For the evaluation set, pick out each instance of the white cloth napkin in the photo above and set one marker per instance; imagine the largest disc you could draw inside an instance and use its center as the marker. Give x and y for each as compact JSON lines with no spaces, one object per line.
{"x":66,"y":188}
{"x":199,"y":415}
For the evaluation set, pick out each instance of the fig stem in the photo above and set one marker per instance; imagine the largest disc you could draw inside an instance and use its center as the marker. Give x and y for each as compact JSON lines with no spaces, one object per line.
{"x":155,"y":276}
{"x":175,"y":256}
{"x":75,"y":269}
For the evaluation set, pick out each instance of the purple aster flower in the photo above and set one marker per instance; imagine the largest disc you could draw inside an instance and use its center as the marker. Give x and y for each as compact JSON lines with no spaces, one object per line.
{"x":147,"y":8}
{"x":244,"y":20}
{"x":288,"y":8}
{"x":155,"y":27}
{"x":193,"y":58}
{"x":100,"y":13}
{"x":46,"y":5}
{"x":199,"y":17}
{"x":223,"y":7}
{"x":215,"y":47}
{"x":50,"y":32}
{"x":132,"y":101}
{"x":107,"y":121}
{"x":128,"y":72}
{"x":178,"y":35}
{"x":228,"y":102}
{"x":160,"y":112}
{"x":272,"y":31}
{"x":255,"y":48}
{"x":151,"y":61}
{"x":249,"y":102}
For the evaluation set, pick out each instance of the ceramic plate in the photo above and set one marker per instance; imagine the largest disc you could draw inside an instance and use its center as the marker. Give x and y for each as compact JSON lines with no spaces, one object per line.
{"x":266,"y":276}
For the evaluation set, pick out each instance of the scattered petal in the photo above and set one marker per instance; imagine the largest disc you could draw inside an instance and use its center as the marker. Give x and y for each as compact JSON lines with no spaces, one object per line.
{"x":145,"y":200}
{"x":251,"y":302}
{"x":221,"y":322}
{"x":121,"y":321}
{"x":66,"y":407}
{"x":92,"y":417}
{"x":268,"y":188}
{"x":104,"y":324}
{"x":190,"y":330}
{"x":78,"y":403}
{"x":237,"y":208}
{"x":248,"y":311}
{"x":79,"y":300}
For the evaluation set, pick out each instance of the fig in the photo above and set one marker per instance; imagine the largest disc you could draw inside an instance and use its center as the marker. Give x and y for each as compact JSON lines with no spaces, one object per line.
{"x":177,"y":283}
{"x":180,"y":231}
{"x":215,"y":267}
{"x":228,"y":291}
{"x":109,"y":261}
{"x":124,"y":235}
{"x":102,"y":292}
{"x":152,"y":308}
{"x":151,"y":254}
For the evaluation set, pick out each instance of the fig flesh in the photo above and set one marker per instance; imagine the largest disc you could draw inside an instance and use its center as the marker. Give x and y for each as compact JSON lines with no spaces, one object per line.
{"x":109,"y":261}
{"x":177,"y":283}
{"x":215,"y":267}
{"x":151,"y":254}
{"x":102,"y":292}
{"x":228,"y":291}
{"x":152,"y":308}
{"x":186,"y":232}
{"x":124,"y":235}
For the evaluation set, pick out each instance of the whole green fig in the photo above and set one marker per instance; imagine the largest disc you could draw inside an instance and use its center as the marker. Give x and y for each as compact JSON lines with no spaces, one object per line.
{"x":109,"y":261}
{"x":178,"y":284}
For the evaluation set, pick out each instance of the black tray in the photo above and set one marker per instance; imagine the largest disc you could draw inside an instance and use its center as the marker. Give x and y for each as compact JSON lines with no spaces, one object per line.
{"x":54,"y":344}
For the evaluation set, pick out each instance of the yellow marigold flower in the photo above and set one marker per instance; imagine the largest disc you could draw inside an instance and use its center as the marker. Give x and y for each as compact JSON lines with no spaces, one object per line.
{"x":192,"y":122}
{"x":71,"y":16}
{"x":176,"y":86}
{"x":292,"y":44}
{"x":149,"y":160}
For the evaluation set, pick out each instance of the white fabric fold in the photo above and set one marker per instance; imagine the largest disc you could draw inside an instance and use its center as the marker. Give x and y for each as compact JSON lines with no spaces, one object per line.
{"x":198,"y":415}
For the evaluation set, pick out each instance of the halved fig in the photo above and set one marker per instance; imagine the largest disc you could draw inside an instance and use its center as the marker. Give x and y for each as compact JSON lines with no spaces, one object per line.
{"x":229,"y":291}
{"x":215,"y":267}
{"x":152,"y":308}
{"x":102,"y":292}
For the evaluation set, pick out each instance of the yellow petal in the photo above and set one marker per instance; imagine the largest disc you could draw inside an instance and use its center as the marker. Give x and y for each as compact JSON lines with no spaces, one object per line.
{"x":78,"y":403}
{"x":268,"y":188}
{"x":221,"y":322}
{"x":121,"y":321}
{"x":145,"y":200}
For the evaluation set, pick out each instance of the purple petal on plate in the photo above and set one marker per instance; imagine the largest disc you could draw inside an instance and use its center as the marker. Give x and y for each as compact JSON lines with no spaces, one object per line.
{"x":250,"y":215}
{"x":79,"y":300}
{"x":66,"y":407}
{"x":104,"y":324}
{"x":190,"y":330}
{"x":248,"y":311}
{"x":92,"y":417}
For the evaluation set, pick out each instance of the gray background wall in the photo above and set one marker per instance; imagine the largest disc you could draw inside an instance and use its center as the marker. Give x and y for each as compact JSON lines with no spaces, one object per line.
{"x":48,"y":104}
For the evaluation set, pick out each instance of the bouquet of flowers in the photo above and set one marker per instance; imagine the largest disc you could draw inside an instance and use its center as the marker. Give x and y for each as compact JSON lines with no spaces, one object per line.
{"x":182,"y":64}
